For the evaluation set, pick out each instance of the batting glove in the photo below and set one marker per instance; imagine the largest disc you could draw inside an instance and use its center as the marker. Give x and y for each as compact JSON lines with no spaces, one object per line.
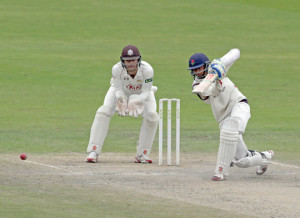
{"x":217,"y":67}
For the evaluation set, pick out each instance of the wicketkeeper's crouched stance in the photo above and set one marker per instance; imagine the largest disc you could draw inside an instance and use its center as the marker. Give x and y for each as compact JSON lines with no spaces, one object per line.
{"x":131,"y":93}
{"x":231,"y":110}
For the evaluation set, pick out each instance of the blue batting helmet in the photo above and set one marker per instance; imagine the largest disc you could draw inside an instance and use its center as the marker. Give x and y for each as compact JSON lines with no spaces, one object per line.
{"x":198,"y":60}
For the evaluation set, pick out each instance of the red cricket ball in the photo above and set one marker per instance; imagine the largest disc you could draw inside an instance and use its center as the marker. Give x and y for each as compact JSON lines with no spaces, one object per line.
{"x":23,"y":156}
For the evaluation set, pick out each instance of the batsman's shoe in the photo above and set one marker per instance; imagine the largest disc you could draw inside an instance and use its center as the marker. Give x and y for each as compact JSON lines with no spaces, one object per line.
{"x":267,"y":157}
{"x":218,"y":177}
{"x":143,"y":159}
{"x":261,"y":170}
{"x":92,"y":157}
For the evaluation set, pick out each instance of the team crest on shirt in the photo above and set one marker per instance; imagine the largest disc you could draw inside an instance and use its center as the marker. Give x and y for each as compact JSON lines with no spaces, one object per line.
{"x":126,"y":78}
{"x":139,"y":79}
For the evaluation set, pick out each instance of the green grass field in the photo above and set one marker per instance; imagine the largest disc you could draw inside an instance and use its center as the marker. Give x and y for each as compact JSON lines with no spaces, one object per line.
{"x":56,"y":59}
{"x":105,"y":204}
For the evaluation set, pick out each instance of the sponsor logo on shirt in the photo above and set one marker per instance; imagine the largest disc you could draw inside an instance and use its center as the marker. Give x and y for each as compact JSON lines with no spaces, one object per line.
{"x":134,"y":88}
{"x":148,"y":80}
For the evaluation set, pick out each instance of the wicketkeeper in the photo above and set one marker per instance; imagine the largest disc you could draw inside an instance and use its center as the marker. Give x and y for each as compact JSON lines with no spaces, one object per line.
{"x":231,"y":110}
{"x":131,"y":94}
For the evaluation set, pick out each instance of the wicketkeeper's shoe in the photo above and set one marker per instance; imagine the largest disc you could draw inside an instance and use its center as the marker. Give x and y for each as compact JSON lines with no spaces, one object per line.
{"x":143,"y":159}
{"x":267,"y":157}
{"x":218,"y":177}
{"x":92,"y":157}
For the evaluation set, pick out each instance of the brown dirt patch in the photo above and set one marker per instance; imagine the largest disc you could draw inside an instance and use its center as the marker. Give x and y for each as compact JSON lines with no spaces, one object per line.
{"x":275,"y":194}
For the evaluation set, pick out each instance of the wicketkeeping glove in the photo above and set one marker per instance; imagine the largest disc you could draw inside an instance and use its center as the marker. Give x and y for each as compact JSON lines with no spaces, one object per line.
{"x":218,"y":67}
{"x":135,"y":105}
{"x":121,"y":106}
{"x":135,"y":108}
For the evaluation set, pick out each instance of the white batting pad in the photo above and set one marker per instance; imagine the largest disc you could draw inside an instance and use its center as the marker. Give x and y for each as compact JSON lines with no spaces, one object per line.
{"x":98,"y":133}
{"x":228,"y":142}
{"x":245,"y":162}
{"x":255,"y":159}
{"x":147,"y":133}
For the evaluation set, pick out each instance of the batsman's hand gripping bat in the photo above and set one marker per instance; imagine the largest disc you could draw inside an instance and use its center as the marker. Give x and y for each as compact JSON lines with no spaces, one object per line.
{"x":215,"y":70}
{"x":222,"y":66}
{"x":204,"y":85}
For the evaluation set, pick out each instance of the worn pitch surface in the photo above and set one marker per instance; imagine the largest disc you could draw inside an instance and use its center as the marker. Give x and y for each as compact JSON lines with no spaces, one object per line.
{"x":275,"y":194}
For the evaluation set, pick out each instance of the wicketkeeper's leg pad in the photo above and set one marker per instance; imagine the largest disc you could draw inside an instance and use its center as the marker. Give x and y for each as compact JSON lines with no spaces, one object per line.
{"x":147,"y":132}
{"x":98,"y":132}
{"x":227,"y":148}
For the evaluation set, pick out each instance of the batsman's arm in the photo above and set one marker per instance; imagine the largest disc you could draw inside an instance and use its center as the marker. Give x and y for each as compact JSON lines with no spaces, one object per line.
{"x":202,"y":97}
{"x":205,"y":84}
{"x":229,"y":58}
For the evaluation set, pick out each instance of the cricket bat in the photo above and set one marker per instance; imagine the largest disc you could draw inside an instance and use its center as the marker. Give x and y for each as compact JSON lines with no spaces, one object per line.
{"x":204,"y":85}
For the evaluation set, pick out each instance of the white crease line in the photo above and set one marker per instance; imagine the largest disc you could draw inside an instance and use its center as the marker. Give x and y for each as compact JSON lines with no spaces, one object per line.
{"x":285,"y":165}
{"x":28,"y":161}
{"x":143,"y":174}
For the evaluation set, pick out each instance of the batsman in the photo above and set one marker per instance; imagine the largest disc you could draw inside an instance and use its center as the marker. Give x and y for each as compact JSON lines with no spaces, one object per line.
{"x":131,"y":93}
{"x":231,"y":110}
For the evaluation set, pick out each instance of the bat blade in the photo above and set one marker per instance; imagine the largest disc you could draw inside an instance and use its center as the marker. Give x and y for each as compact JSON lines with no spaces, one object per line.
{"x":204,"y":85}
